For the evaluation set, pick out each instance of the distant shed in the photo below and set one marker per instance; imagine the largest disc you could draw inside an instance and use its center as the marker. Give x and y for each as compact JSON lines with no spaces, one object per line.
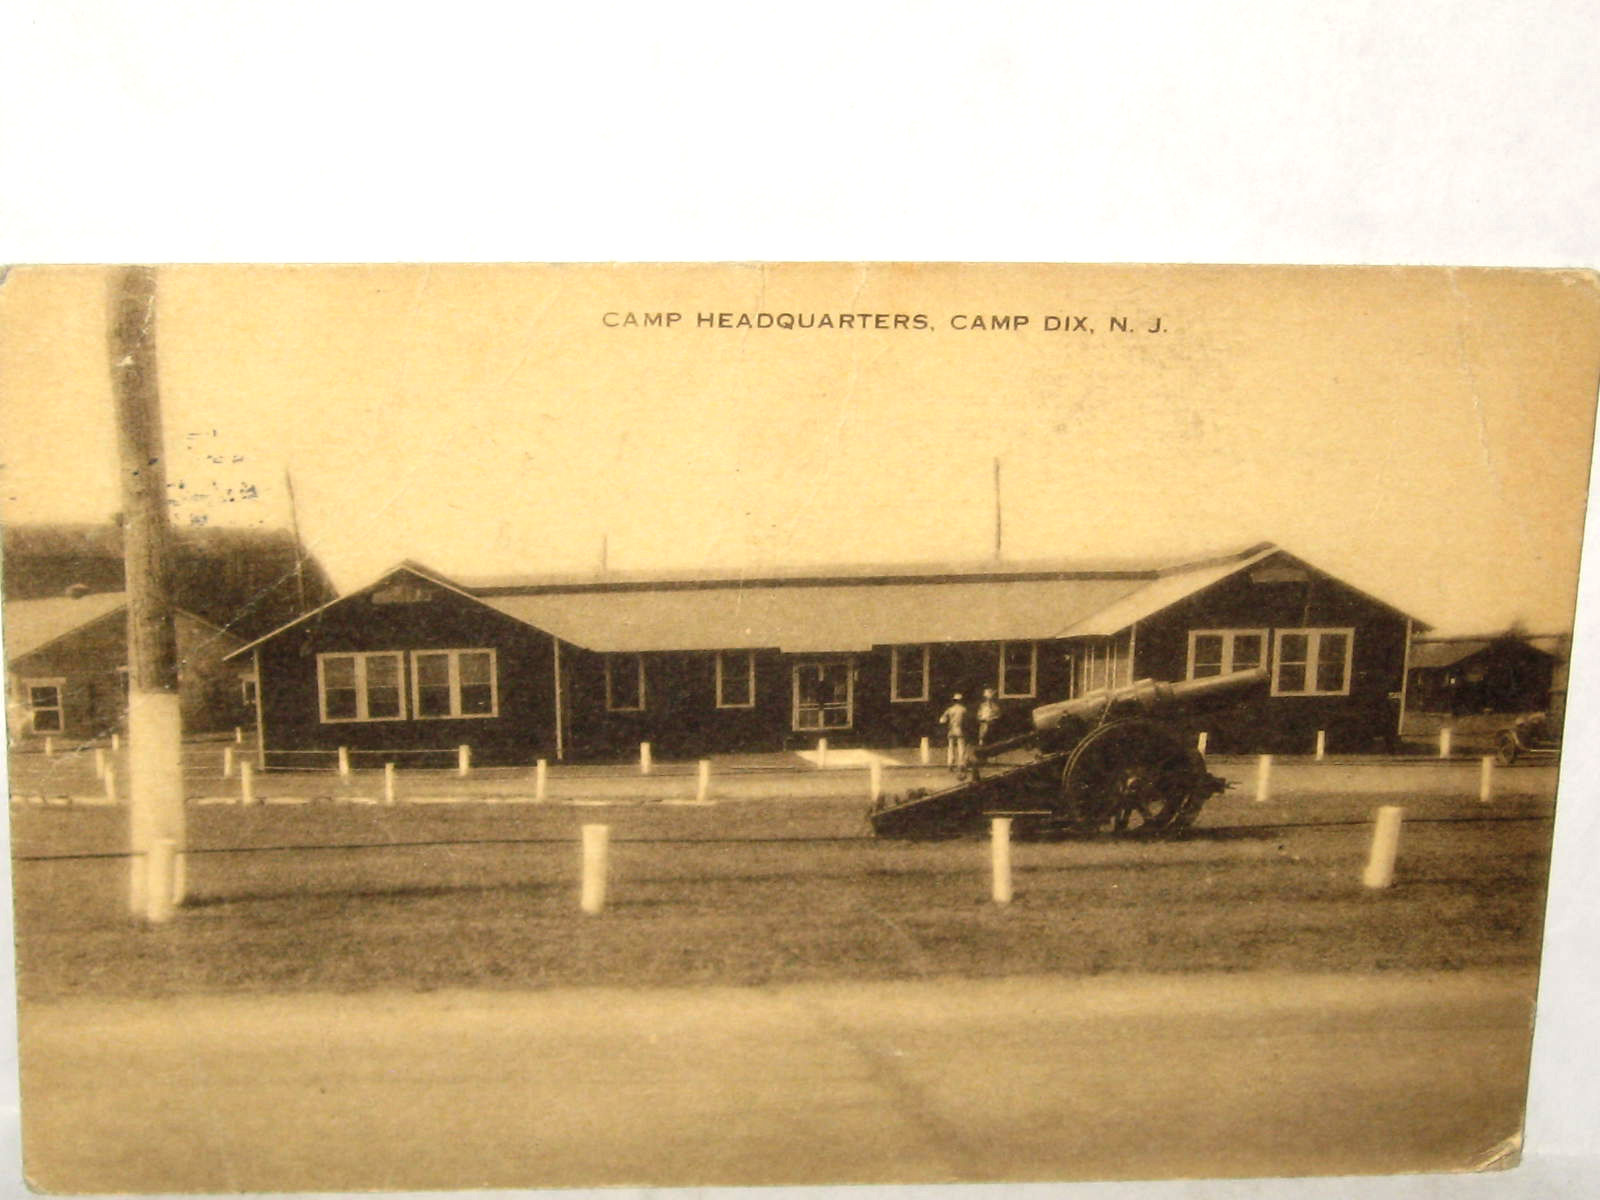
{"x":1503,"y":673}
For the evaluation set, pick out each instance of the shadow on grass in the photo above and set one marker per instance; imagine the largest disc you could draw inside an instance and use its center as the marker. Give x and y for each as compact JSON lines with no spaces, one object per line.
{"x":419,"y":891}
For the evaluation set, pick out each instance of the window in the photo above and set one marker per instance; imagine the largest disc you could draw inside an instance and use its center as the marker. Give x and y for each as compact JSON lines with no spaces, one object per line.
{"x":624,"y":683}
{"x":1019,"y":668}
{"x":44,"y":705}
{"x":247,"y":690}
{"x":908,"y":673}
{"x":736,"y":679}
{"x":361,"y":687}
{"x":824,"y":695}
{"x":1313,"y":662}
{"x":453,"y":683}
{"x":1224,"y":651}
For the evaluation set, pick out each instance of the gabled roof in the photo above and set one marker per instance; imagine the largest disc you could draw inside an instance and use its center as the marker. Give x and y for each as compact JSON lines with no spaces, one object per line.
{"x":31,"y":625}
{"x":1434,"y":653}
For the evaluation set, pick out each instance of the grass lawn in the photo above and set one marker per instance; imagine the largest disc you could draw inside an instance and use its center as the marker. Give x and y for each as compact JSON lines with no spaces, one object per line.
{"x":753,"y":892}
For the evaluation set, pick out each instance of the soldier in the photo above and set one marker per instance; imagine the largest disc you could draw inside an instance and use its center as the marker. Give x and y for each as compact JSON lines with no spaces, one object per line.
{"x":988,"y":714}
{"x":954,"y":719}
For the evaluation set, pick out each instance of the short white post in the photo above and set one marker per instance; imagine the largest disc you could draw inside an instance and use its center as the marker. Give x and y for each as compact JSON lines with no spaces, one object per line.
{"x":227,"y":762}
{"x":111,"y":784}
{"x":1385,"y":844}
{"x":1200,"y":742}
{"x":1486,"y":779}
{"x":644,"y":758}
{"x":49,"y":746}
{"x":1444,"y":741}
{"x":702,"y":788}
{"x":924,"y":753}
{"x":875,"y":779}
{"x":1263,"y":779}
{"x":541,"y":770}
{"x":116,"y":742}
{"x":388,"y":783}
{"x":1322,"y":744}
{"x":596,"y":839}
{"x":1000,"y":857}
{"x":99,"y":763}
{"x":344,"y":762}
{"x":463,"y":759}
{"x":822,"y":752}
{"x":158,"y":891}
{"x":247,"y":783}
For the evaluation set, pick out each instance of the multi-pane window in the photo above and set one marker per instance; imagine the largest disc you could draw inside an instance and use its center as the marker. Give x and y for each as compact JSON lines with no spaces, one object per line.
{"x":361,"y":687}
{"x":1019,"y":668}
{"x":736,"y":679}
{"x":624,"y":682}
{"x":908,"y":673}
{"x":1312,"y":662}
{"x":453,"y":683}
{"x":44,"y":707}
{"x":1224,"y":651}
{"x":247,"y":690}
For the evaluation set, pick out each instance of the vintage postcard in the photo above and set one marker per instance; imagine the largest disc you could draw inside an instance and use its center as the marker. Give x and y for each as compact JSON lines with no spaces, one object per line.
{"x":783,"y":724}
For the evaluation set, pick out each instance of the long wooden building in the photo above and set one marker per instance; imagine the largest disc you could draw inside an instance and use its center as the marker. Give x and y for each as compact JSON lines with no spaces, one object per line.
{"x":587,"y":668}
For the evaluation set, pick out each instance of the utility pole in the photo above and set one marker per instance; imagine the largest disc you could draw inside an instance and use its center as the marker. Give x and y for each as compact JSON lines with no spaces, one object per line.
{"x":997,"y":509}
{"x":155,"y":738}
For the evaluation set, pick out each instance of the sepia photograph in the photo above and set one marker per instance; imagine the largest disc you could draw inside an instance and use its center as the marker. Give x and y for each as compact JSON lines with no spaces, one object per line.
{"x":783,"y":724}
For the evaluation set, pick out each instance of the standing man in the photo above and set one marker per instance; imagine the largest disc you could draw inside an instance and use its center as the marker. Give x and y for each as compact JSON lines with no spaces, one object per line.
{"x":954,"y":720}
{"x":988,"y":714}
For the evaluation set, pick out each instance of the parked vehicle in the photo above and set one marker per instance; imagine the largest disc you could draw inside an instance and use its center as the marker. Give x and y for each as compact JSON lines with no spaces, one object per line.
{"x":1530,"y":736}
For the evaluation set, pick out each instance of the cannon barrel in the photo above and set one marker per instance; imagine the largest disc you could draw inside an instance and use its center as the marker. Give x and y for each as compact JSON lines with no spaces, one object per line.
{"x":1145,"y":696}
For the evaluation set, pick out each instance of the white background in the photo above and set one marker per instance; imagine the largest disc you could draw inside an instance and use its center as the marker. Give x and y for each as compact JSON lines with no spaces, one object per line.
{"x":1247,"y":132}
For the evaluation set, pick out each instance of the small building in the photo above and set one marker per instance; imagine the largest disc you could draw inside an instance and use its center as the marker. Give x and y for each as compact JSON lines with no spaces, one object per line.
{"x":522,"y":668}
{"x":67,"y":668}
{"x":1498,"y":673}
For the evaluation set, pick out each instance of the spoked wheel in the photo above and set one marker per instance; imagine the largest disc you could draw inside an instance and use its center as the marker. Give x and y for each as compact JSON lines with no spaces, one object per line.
{"x":1132,"y":777}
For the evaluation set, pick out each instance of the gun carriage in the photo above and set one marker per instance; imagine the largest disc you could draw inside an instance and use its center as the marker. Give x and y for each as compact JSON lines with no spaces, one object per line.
{"x":1100,"y":763}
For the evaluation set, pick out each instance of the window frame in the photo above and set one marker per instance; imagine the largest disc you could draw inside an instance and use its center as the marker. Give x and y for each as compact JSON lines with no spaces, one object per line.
{"x":1314,"y":635}
{"x":749,"y":674}
{"x":453,"y":676}
{"x":1228,"y":637}
{"x":849,"y":707}
{"x":56,"y":683}
{"x":1033,"y":672}
{"x":249,"y":690}
{"x":360,"y":657}
{"x":894,"y":674}
{"x":611,"y":660}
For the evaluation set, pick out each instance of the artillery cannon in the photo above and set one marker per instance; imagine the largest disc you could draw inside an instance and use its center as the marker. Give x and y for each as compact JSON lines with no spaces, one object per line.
{"x":1100,"y":762}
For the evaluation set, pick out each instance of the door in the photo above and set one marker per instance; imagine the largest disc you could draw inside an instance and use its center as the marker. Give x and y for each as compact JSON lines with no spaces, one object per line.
{"x":824,"y":695}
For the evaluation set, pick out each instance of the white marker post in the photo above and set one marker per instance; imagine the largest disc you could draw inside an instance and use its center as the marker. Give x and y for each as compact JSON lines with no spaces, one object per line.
{"x":924,"y":753}
{"x":1200,"y":742}
{"x":596,"y":840}
{"x":116,"y":742}
{"x":1444,"y":741}
{"x":1263,"y":779}
{"x":875,"y":779}
{"x":1486,"y":779}
{"x":227,"y":762}
{"x":159,"y":891}
{"x":238,"y":736}
{"x":49,"y":747}
{"x":1385,"y":845}
{"x":463,"y":760}
{"x":1000,"y":857}
{"x":247,"y":783}
{"x":1322,"y":744}
{"x":344,"y":762}
{"x":702,"y":788}
{"x":541,"y":770}
{"x":99,"y":763}
{"x":822,"y":752}
{"x":388,"y":783}
{"x":644,"y":758}
{"x":111,"y":784}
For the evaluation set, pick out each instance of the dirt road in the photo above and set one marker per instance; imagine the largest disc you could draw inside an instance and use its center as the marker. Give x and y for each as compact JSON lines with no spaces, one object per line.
{"x":1027,"y":1078}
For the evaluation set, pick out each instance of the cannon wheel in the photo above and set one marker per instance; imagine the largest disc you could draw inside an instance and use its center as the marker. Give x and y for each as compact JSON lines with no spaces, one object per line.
{"x":1131,"y":777}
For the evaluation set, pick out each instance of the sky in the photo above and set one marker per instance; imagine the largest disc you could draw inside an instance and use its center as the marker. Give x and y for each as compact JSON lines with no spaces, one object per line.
{"x":1424,"y":434}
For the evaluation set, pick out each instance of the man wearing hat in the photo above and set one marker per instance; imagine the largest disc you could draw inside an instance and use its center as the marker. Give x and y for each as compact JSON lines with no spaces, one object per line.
{"x":954,"y":720}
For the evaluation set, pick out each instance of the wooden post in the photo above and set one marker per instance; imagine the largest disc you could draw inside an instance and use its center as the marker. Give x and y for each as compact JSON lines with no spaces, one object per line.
{"x":875,"y":779}
{"x":1486,"y":779}
{"x":1445,"y":733}
{"x":1000,"y":857}
{"x":541,"y":769}
{"x":247,"y":782}
{"x":111,"y":784}
{"x":463,"y":759}
{"x":596,"y":839}
{"x":702,"y":790}
{"x":344,"y":761}
{"x":1322,"y":744}
{"x":1385,"y":845}
{"x":159,"y":864}
{"x":822,"y":752}
{"x":924,"y":752}
{"x":227,"y":762}
{"x":1263,"y":779}
{"x":155,"y":774}
{"x":238,"y":734}
{"x":1200,"y":742}
{"x":116,"y":742}
{"x":99,"y":763}
{"x":644,"y":758}
{"x":49,"y":746}
{"x":388,"y":783}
